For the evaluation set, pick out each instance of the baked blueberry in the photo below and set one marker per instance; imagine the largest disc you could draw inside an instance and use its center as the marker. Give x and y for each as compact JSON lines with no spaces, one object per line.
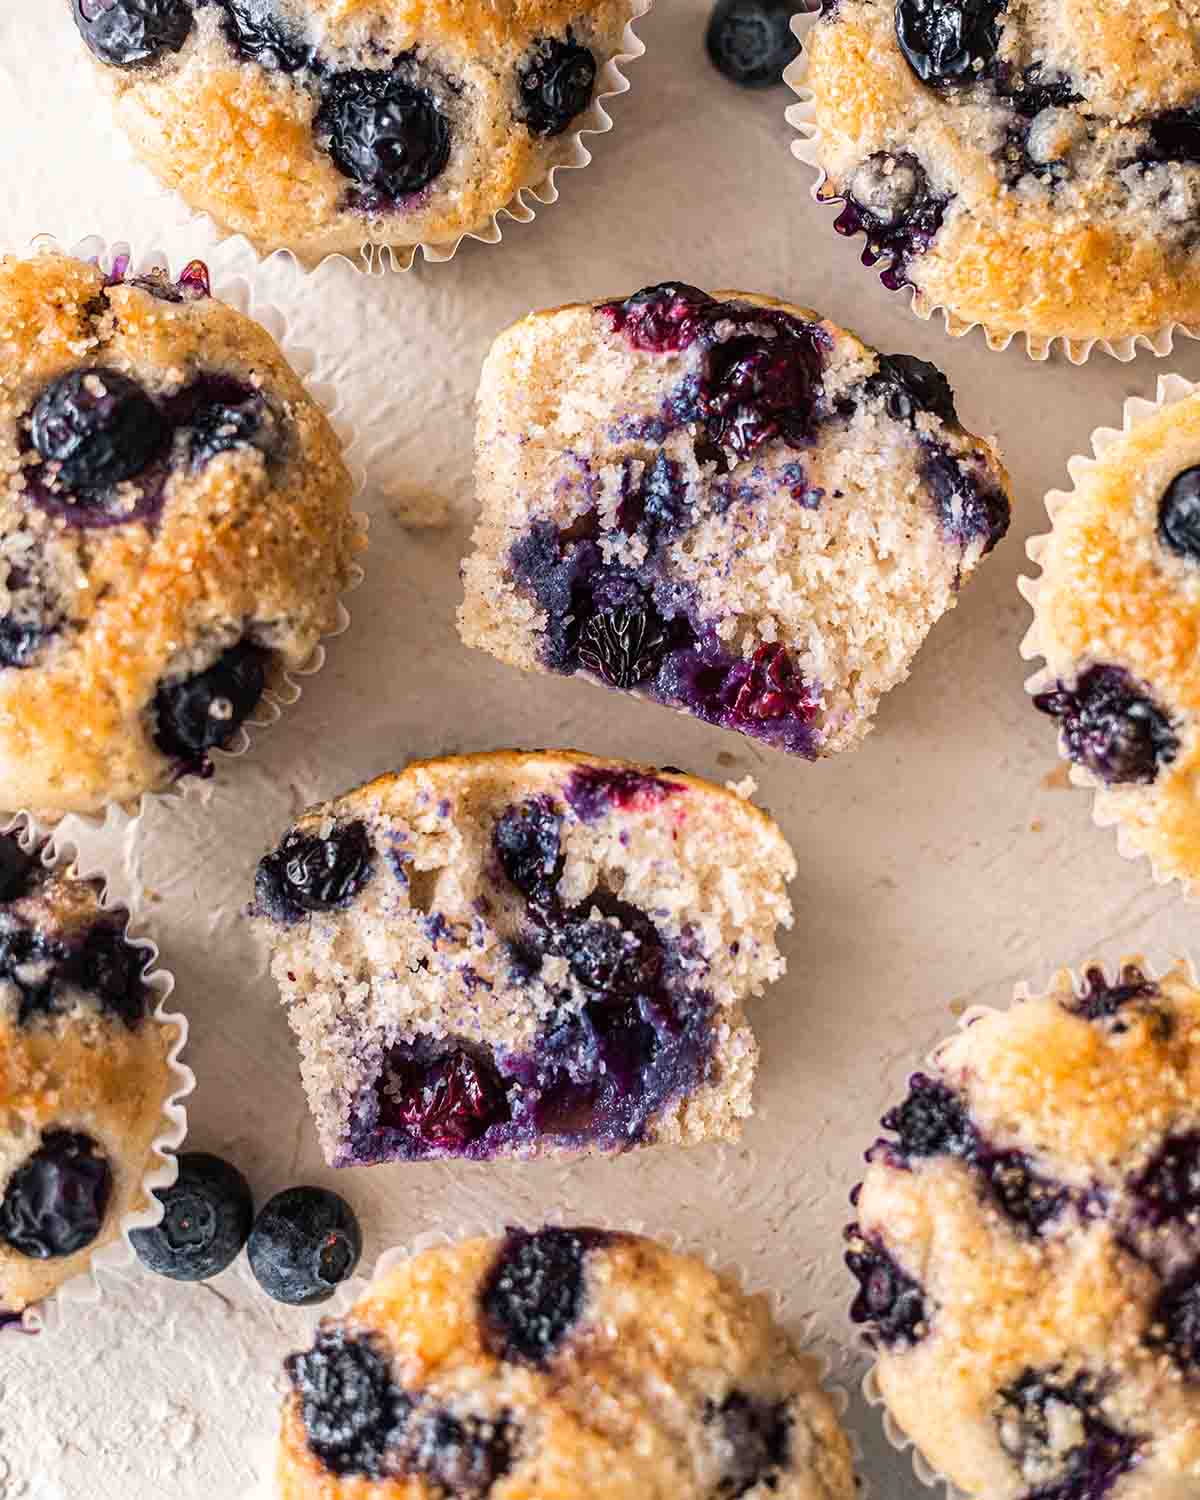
{"x":256,"y":31}
{"x":304,"y":1243}
{"x":54,"y":1203}
{"x":1179,"y":515}
{"x":930,"y":1122}
{"x":1049,"y":1424}
{"x":555,"y":82}
{"x":462,"y":1456}
{"x":618,"y":954}
{"x":97,"y":428}
{"x":352,"y":1412}
{"x":309,"y":873}
{"x":751,"y":41}
{"x":21,"y":641}
{"x":755,"y":1438}
{"x":442,"y":1104}
{"x":1112,"y":727}
{"x":133,"y":33}
{"x":661,"y":319}
{"x":888,"y":1299}
{"x":1101,"y":1001}
{"x":383,"y":131}
{"x":223,"y":428}
{"x":948,"y":43}
{"x":17,"y":868}
{"x":207,"y":1214}
{"x":1175,"y":1322}
{"x":1174,"y":136}
{"x":534,"y":1293}
{"x":910,"y":385}
{"x":205,"y":711}
{"x":623,"y":646}
{"x":528,"y":844}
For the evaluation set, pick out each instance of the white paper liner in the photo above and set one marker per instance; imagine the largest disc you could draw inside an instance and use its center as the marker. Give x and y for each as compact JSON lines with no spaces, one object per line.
{"x":1154,"y":968}
{"x":346,"y":1296}
{"x":803,"y":118}
{"x":285,"y":691}
{"x":62,"y":1308}
{"x":377,"y":256}
{"x":1105,"y":804}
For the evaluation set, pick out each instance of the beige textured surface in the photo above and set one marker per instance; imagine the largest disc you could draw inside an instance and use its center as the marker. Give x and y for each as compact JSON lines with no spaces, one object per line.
{"x":940,"y":863}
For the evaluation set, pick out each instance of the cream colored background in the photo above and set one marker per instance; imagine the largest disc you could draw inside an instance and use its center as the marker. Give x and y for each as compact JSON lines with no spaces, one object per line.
{"x":939,"y":865}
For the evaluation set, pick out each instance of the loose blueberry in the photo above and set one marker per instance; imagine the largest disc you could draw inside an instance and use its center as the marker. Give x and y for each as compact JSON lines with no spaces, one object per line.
{"x":754,"y":1442}
{"x":1112,"y":727}
{"x":98,"y":427}
{"x":1175,"y":1322}
{"x":443,"y":1104}
{"x":534,"y":1293}
{"x":257,"y":33}
{"x":888,"y":1298}
{"x":383,"y":132}
{"x":910,"y":385}
{"x":623,"y":646}
{"x":303,"y":1245}
{"x":527,"y":843}
{"x":555,"y":82}
{"x":207,"y":1214}
{"x":1179,"y":515}
{"x":309,"y":873}
{"x":352,"y":1411}
{"x":133,"y":33}
{"x":1032,"y":1416}
{"x":55,"y":1202}
{"x":751,"y":41}
{"x":948,"y":43}
{"x":17,"y":868}
{"x":206,"y":710}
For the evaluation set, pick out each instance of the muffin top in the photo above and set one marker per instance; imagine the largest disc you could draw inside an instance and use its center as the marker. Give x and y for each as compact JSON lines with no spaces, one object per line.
{"x":1031,"y":166}
{"x":84,"y":1075}
{"x":322,"y":125}
{"x":174,"y":529}
{"x":1027,"y":1252}
{"x":564,"y":1362}
{"x":1117,"y":618}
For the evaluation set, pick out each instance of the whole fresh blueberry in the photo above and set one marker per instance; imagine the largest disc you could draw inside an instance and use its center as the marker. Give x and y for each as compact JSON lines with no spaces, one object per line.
{"x":311,"y":873}
{"x":534,"y":1293}
{"x":353,"y":1412}
{"x":948,"y":43}
{"x":383,"y":132}
{"x":55,"y":1201}
{"x":99,"y":427}
{"x":207,"y":1213}
{"x":256,"y":32}
{"x":304,"y":1244}
{"x":1111,"y":726}
{"x":206,"y":710}
{"x":751,"y":41}
{"x":133,"y":33}
{"x":1179,"y":515}
{"x":555,"y":82}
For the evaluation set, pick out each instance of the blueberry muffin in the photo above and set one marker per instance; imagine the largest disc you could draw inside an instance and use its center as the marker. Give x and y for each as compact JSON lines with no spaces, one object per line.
{"x":1026,"y":1246}
{"x":525,"y":954}
{"x":573,"y":1363}
{"x":322,"y":126}
{"x":1033,"y":167}
{"x":174,"y":530}
{"x":85,"y":1074}
{"x":1117,"y":618}
{"x":724,"y":504}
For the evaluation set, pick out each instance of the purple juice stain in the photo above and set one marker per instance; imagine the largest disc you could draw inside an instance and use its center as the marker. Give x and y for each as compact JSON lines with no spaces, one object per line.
{"x":1110,"y":724}
{"x":890,"y":200}
{"x":593,"y":791}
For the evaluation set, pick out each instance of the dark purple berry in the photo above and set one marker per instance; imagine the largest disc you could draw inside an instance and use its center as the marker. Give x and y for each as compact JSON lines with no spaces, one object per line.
{"x":1167,"y":1190}
{"x":1175,"y":1322}
{"x":751,"y":41}
{"x":527,"y":843}
{"x":658,"y":509}
{"x":889,"y":1300}
{"x":55,"y":1201}
{"x":383,"y":132}
{"x":133,"y":33}
{"x":969,"y":508}
{"x":17,"y":868}
{"x":1036,"y":91}
{"x":1174,"y":136}
{"x":948,"y":43}
{"x":207,"y":1214}
{"x":1179,"y":515}
{"x":462,"y":1457}
{"x":303,"y":1245}
{"x":1027,"y":1199}
{"x":1101,"y":1000}
{"x":1111,"y":726}
{"x":555,"y":82}
{"x":101,"y":962}
{"x":99,"y":428}
{"x":352,"y":1411}
{"x":661,"y":319}
{"x":910,"y":385}
{"x":1031,"y":1417}
{"x":623,"y":647}
{"x":932,"y":1121}
{"x":20,"y":641}
{"x":206,"y":711}
{"x":755,"y":389}
{"x":593,"y":791}
{"x":255,"y":31}
{"x":443,"y":1104}
{"x":889,"y":199}
{"x":310,"y":873}
{"x":223,"y":428}
{"x":754,"y":1440}
{"x":619,"y":960}
{"x":533,"y":1295}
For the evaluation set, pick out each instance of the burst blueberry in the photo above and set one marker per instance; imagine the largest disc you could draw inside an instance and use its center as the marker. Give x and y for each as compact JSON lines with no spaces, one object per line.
{"x":304,"y":1243}
{"x":755,"y":1439}
{"x":443,"y":1104}
{"x":948,"y":43}
{"x":352,"y":1411}
{"x":888,"y":1299}
{"x":257,"y":32}
{"x":555,"y":83}
{"x":206,"y":710}
{"x":751,"y":41}
{"x":98,"y":428}
{"x":1112,"y":726}
{"x":55,"y":1201}
{"x":222,"y":428}
{"x":910,"y":385}
{"x":133,"y":33}
{"x":1175,"y":1322}
{"x":527,"y":841}
{"x":207,"y":1214}
{"x":308,"y":873}
{"x":534,"y":1293}
{"x":931,"y":1122}
{"x":384,"y":132}
{"x":1031,"y":1416}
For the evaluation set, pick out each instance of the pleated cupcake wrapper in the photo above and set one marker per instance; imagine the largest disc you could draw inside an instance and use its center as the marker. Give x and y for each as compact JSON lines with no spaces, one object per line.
{"x":1106,"y":802}
{"x":62,"y":1310}
{"x":378,"y":255}
{"x":119,"y":258}
{"x":1154,"y":967}
{"x":803,"y":118}
{"x":345,"y":1298}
